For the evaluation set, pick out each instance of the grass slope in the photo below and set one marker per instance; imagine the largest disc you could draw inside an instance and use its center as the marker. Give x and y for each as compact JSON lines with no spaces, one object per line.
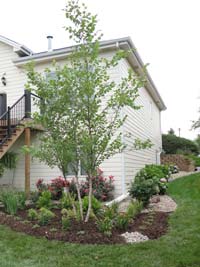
{"x":179,"y":248}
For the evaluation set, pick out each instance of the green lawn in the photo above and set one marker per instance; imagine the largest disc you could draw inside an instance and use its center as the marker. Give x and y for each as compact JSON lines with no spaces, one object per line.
{"x":180,"y":247}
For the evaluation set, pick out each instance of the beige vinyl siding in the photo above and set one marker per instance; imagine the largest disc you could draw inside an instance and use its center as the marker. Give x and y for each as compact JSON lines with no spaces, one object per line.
{"x":143,"y":124}
{"x":40,"y":170}
{"x":15,"y":77}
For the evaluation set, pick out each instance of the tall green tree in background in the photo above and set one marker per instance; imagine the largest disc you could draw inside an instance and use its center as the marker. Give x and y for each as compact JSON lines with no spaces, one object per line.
{"x":82,"y":107}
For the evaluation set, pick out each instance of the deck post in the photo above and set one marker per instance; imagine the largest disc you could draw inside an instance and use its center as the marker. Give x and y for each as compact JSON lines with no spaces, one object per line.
{"x":27,"y":162}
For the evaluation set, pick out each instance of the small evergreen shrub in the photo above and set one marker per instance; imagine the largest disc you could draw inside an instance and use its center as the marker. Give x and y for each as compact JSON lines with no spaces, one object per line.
{"x":32,"y":214}
{"x":45,"y":216}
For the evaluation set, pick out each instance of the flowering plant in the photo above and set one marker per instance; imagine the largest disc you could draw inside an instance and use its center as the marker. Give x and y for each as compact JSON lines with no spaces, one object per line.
{"x":102,"y":187}
{"x":41,"y":186}
{"x":55,"y":187}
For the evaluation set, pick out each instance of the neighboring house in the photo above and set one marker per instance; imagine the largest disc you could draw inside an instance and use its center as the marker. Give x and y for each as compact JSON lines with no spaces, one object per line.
{"x":143,"y":123}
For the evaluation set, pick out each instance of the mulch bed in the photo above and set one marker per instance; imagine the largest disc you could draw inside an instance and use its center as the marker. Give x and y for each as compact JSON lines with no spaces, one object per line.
{"x":152,"y":225}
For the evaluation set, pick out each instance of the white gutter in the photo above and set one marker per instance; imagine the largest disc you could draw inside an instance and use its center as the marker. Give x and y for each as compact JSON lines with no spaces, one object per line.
{"x":117,"y":200}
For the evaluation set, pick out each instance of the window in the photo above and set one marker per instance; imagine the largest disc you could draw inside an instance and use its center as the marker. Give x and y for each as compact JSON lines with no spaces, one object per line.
{"x":70,"y":171}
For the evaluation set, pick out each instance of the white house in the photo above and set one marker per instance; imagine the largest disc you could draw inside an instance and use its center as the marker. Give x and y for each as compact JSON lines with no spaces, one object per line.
{"x":143,"y":123}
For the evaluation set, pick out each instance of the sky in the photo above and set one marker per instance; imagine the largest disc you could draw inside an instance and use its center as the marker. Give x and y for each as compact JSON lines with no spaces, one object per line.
{"x":166,"y":34}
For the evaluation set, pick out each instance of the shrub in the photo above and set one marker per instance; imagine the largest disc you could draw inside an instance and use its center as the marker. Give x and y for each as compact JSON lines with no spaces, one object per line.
{"x":105,"y":226}
{"x":122,"y":221}
{"x":45,"y":216}
{"x":56,"y":187}
{"x":32,"y":214}
{"x":10,"y":201}
{"x":96,"y":205}
{"x":44,"y":200}
{"x":155,"y":173}
{"x":102,"y":187}
{"x":143,"y":190}
{"x":41,"y":186}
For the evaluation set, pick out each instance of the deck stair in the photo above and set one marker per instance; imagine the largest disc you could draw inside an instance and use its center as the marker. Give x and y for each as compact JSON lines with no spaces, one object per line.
{"x":13,"y":122}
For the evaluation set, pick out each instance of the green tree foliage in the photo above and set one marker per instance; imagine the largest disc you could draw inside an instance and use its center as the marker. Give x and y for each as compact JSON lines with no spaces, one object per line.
{"x":81,"y":127}
{"x":173,"y":144}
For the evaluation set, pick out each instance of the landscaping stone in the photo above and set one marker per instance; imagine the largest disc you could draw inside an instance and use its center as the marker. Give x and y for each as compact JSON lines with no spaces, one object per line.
{"x":134,"y":237}
{"x":166,"y":204}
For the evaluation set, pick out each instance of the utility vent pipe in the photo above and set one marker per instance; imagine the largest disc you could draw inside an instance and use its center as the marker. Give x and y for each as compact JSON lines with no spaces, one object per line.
{"x":49,"y":38}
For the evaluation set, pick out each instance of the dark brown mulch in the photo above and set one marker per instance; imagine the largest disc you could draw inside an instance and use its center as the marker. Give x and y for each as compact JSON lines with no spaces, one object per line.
{"x":153,"y":225}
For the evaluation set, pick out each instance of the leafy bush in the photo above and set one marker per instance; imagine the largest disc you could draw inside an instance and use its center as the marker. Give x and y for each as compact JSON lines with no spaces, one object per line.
{"x":122,"y":221}
{"x":148,"y":182}
{"x":173,"y":144}
{"x":102,"y":187}
{"x":56,"y":187}
{"x":41,"y":186}
{"x":10,"y":201}
{"x":143,"y":190}
{"x":96,"y":205}
{"x":44,"y":200}
{"x":105,"y":226}
{"x":32,"y":214}
{"x":45,"y":216}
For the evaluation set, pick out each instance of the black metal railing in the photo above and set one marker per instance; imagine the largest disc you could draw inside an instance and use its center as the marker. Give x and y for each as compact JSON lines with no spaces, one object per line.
{"x":14,"y":115}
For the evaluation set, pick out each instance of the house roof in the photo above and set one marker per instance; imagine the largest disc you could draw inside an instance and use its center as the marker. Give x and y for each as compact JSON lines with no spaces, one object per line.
{"x":122,"y":43}
{"x":20,"y":49}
